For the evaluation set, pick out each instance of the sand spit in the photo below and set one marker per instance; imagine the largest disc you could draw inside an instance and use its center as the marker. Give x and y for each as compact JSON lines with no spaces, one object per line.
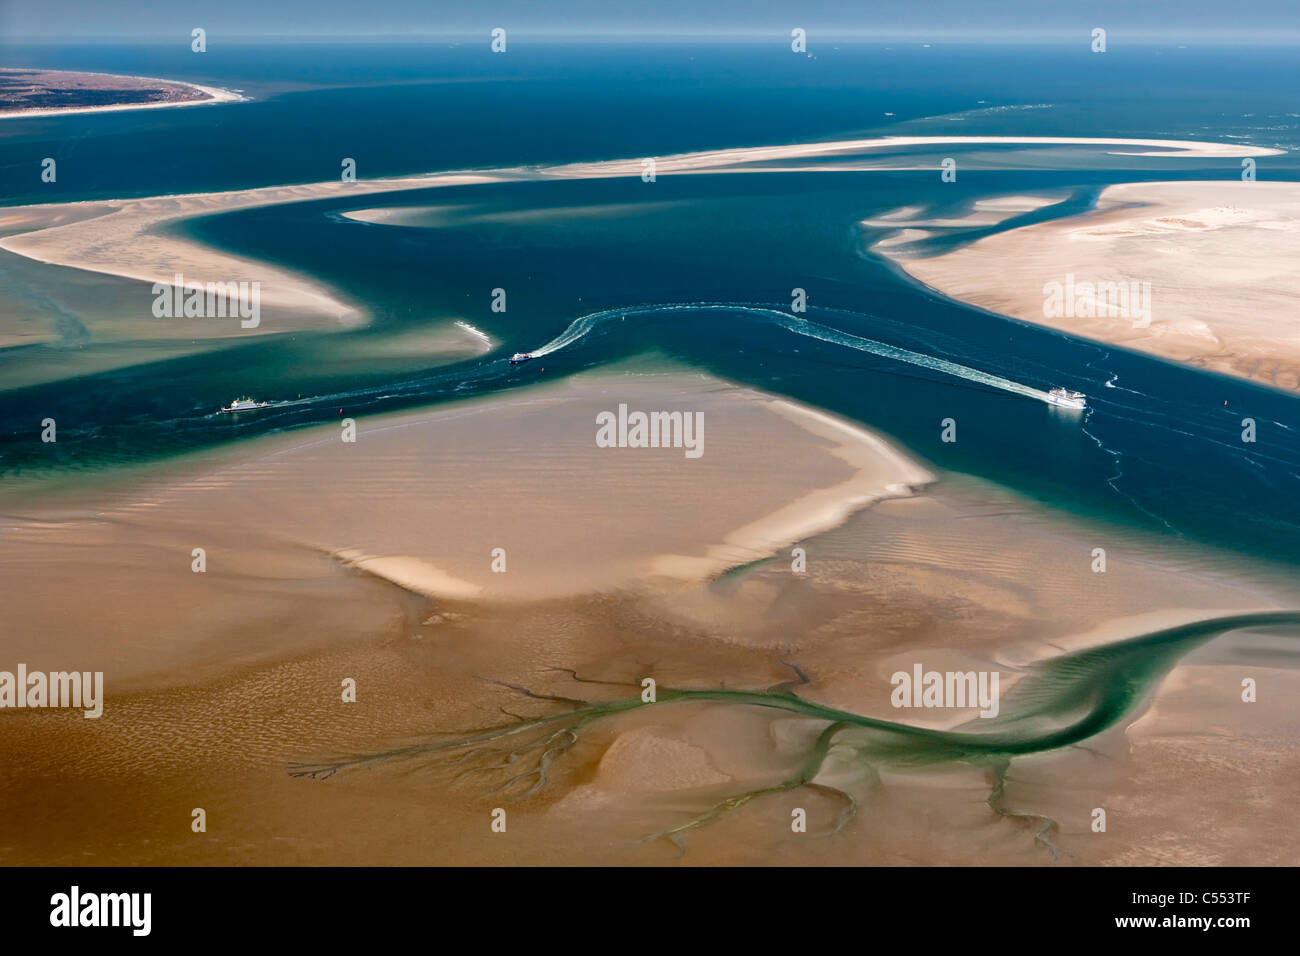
{"x":733,"y":159}
{"x":1220,"y":259}
{"x":878,"y":471}
{"x":125,"y":238}
{"x":413,"y":574}
{"x":112,"y":82}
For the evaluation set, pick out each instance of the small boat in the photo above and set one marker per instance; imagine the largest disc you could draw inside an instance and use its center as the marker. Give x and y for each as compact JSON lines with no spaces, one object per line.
{"x":244,"y":405}
{"x":1066,"y":398}
{"x":519,"y":358}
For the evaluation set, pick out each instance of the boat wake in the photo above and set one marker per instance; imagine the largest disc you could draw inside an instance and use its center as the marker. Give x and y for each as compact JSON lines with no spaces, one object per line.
{"x":595,"y":322}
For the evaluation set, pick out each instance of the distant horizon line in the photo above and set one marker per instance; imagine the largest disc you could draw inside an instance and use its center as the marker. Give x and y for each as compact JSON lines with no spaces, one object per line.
{"x":1116,"y":37}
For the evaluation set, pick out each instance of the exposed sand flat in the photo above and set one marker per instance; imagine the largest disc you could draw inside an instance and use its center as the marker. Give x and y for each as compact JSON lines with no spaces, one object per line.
{"x":947,"y":580}
{"x":123,"y":238}
{"x":26,"y":218}
{"x":414,"y":574}
{"x":441,"y":490}
{"x":397,"y":215}
{"x":1222,"y":260}
{"x":878,"y":471}
{"x":732,"y":159}
{"x":902,"y":238}
{"x":984,"y":212}
{"x":433,"y":217}
{"x":964,"y":575}
{"x":1243,"y":757}
{"x":912,"y":227}
{"x":1015,"y":204}
{"x":643,"y":760}
{"x":421,"y":501}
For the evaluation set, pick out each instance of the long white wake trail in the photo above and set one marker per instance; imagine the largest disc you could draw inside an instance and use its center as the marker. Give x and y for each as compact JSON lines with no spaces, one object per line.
{"x":581,"y":327}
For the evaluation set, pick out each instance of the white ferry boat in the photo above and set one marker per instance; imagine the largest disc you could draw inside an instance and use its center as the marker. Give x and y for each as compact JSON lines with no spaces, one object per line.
{"x":520,"y":357}
{"x":1066,"y":398}
{"x":244,"y":405}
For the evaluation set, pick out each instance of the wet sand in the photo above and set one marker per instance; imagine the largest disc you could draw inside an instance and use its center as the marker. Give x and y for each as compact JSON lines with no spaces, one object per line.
{"x":910,"y":226}
{"x":218,"y":682}
{"x":425,"y":498}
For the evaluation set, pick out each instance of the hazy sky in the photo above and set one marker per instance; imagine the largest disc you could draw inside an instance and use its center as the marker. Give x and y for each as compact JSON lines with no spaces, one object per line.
{"x":1170,"y":20}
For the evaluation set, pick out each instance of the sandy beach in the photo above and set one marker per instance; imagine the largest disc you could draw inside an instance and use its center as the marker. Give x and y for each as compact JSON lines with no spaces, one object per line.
{"x":1219,"y":257}
{"x":179,"y":92}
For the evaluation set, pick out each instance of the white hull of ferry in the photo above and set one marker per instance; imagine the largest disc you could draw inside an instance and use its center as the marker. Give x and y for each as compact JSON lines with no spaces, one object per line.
{"x":1067,"y":399}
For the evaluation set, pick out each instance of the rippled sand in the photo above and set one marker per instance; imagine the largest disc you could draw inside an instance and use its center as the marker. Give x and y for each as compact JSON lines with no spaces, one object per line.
{"x":218,"y":682}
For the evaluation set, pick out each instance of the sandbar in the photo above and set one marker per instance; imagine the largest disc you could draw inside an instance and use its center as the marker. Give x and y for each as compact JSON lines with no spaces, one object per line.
{"x":1221,"y":260}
